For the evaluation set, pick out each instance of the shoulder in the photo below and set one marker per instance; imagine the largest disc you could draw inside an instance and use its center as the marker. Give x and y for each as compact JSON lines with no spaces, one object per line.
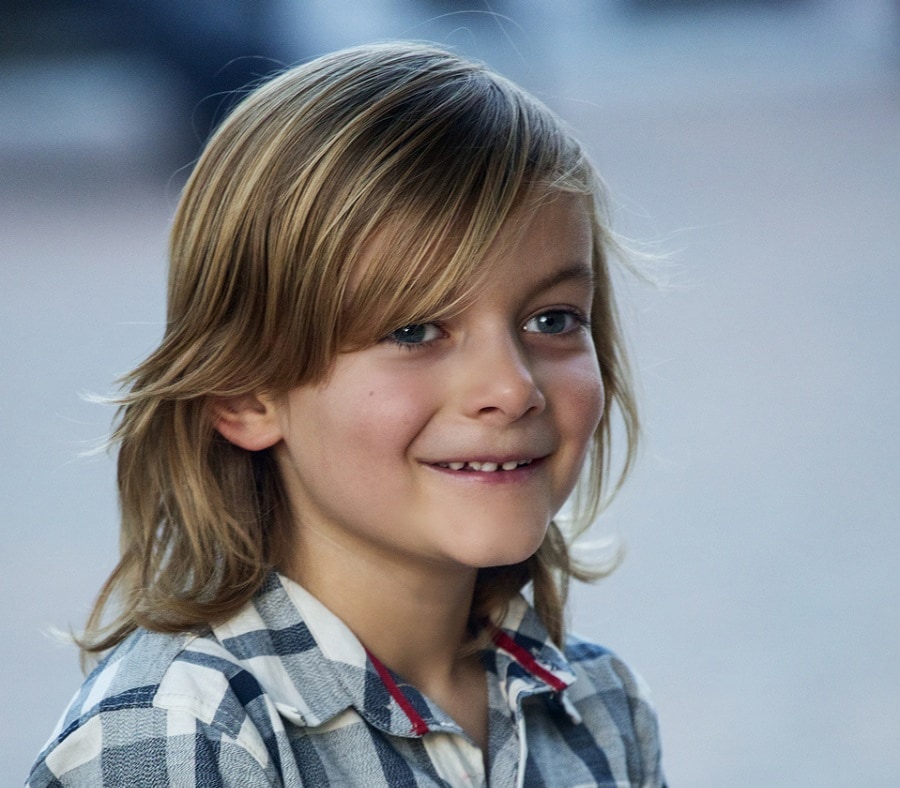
{"x":614,"y":702}
{"x":601,"y":669}
{"x":155,"y":701}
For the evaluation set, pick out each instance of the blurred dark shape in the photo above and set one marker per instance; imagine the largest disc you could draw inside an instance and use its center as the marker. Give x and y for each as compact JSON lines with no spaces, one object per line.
{"x":213,"y":48}
{"x":684,"y":5}
{"x":470,"y":7}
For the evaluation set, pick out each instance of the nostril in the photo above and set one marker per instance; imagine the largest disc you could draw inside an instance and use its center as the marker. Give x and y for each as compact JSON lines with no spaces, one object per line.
{"x":513,"y":401}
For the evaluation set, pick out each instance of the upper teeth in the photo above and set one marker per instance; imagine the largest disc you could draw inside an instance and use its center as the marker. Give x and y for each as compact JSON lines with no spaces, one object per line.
{"x":484,"y":466}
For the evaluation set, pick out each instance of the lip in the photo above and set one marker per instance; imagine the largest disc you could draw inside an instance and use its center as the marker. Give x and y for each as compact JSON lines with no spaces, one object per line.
{"x":518,"y":474}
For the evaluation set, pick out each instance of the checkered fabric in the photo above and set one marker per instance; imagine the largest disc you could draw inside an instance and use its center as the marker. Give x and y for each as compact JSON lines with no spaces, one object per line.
{"x":283,"y":694}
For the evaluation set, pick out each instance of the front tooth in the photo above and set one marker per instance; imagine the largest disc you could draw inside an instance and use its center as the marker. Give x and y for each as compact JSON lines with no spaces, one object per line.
{"x":475,"y":466}
{"x":456,"y":466}
{"x":489,"y":466}
{"x":510,"y":466}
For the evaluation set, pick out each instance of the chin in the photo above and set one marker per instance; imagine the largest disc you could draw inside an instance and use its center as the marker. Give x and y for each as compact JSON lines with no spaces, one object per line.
{"x":503,"y":555}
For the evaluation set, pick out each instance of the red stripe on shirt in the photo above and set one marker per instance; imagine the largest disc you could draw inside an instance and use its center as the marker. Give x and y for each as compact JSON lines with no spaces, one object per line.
{"x":525,"y":659}
{"x":419,"y":726}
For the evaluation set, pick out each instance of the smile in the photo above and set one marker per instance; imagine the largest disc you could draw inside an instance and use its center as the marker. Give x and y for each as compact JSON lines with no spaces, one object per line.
{"x":484,"y":467}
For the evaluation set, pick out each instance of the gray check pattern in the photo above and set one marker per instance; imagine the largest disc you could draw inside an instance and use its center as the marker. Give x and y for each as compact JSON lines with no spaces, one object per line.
{"x":283,"y":694}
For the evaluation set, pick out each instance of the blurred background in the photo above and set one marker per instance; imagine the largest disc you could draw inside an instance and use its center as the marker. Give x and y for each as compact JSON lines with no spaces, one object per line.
{"x":756,"y":142}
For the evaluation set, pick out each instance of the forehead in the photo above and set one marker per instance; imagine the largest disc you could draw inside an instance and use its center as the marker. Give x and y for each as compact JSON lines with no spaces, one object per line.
{"x":557,"y":225}
{"x":407,"y":272}
{"x":551,"y":241}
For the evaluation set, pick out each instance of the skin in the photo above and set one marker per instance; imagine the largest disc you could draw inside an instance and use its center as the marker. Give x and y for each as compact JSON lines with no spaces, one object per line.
{"x":390,"y":533}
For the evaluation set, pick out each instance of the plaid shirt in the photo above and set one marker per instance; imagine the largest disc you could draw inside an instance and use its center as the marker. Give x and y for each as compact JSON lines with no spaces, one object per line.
{"x":283,"y":694}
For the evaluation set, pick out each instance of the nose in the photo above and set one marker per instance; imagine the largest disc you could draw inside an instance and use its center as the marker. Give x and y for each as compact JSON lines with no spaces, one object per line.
{"x":498,"y":379}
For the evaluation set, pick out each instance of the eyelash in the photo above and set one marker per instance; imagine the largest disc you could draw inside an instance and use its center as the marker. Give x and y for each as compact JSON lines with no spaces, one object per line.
{"x":581,"y":321}
{"x":412,"y":345}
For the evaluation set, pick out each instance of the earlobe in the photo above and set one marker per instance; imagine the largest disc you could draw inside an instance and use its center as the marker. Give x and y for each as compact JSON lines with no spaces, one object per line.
{"x":248,"y":421}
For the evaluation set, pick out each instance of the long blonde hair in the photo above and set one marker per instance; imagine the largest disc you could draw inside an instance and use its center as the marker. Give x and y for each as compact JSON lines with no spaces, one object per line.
{"x":287,"y":194}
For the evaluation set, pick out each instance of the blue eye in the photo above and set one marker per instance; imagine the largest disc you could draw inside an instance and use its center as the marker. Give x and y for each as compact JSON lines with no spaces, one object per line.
{"x":415,"y":334}
{"x":555,"y":321}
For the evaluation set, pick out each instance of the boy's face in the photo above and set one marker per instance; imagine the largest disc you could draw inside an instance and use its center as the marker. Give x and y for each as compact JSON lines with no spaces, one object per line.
{"x":382,"y":458}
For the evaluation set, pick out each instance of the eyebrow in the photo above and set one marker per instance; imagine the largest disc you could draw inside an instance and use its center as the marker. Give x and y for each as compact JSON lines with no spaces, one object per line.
{"x":580,"y":273}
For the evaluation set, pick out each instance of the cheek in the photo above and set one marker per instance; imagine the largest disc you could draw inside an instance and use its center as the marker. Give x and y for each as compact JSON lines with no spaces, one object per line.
{"x":581,"y":397}
{"x":385,"y":415}
{"x":598,"y":401}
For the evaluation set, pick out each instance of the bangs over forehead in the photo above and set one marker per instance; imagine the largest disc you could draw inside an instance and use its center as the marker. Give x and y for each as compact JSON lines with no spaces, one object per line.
{"x":455,"y":158}
{"x":354,"y":195}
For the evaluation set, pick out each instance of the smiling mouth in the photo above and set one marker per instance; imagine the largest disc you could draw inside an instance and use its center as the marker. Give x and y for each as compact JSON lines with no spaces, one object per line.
{"x":484,"y":467}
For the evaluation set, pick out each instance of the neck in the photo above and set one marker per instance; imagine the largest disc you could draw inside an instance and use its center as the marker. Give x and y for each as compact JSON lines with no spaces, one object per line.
{"x":413,"y":617}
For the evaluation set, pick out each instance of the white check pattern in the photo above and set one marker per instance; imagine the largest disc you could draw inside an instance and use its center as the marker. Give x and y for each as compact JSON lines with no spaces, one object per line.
{"x":283,"y":694}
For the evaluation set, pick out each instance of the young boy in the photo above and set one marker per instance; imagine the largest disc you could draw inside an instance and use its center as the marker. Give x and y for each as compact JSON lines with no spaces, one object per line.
{"x":391,"y":347}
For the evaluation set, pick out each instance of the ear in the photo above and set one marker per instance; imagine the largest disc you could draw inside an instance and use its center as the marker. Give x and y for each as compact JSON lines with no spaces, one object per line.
{"x":249,"y":421}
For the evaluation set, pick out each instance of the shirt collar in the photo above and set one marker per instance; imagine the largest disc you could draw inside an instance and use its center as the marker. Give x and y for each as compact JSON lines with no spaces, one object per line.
{"x":313,"y":667}
{"x":525,"y":659}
